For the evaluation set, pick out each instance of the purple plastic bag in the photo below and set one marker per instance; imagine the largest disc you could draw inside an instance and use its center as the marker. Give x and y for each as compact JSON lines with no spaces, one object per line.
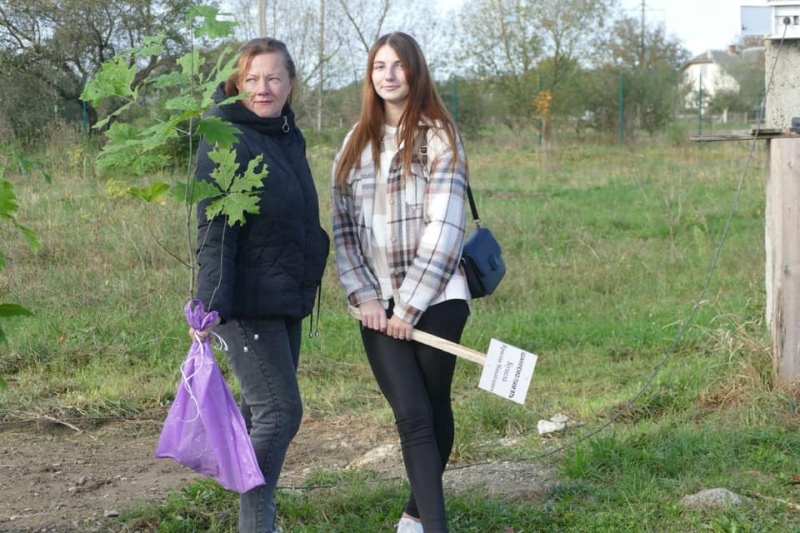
{"x":204,"y":429}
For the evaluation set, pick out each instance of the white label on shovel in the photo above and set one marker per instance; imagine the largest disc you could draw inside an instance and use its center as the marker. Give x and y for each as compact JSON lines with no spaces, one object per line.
{"x":508,"y":371}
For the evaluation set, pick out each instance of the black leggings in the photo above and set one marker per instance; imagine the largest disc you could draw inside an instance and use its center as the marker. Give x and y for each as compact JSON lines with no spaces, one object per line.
{"x":416,"y":379}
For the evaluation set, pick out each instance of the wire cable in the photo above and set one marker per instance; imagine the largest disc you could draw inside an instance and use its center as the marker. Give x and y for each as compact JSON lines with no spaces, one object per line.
{"x":681,"y":332}
{"x":701,"y":297}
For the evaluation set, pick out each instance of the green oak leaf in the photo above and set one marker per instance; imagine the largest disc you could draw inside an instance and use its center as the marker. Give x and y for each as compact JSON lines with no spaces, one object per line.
{"x":8,"y":200}
{"x":29,"y":166}
{"x":240,"y":191}
{"x":184,"y":102}
{"x":114,"y":80}
{"x":7,"y":310}
{"x":171,"y":79}
{"x":235,"y":207}
{"x":216,"y":130}
{"x":190,"y":63}
{"x":210,"y":27}
{"x":30,"y":236}
{"x":199,"y":190}
{"x":155,"y":193}
{"x":121,"y":132}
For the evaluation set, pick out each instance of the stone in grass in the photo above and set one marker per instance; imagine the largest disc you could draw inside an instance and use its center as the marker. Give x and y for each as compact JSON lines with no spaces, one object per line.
{"x":712,"y":498}
{"x":557,"y":422}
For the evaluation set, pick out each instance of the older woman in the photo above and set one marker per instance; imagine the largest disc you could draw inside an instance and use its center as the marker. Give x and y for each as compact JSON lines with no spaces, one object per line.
{"x":262,"y":276}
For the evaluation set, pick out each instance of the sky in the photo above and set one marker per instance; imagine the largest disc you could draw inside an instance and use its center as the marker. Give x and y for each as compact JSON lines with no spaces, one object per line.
{"x":700,"y":24}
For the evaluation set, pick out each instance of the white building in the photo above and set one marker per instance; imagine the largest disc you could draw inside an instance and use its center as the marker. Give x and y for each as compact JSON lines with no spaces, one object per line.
{"x":707,"y":71}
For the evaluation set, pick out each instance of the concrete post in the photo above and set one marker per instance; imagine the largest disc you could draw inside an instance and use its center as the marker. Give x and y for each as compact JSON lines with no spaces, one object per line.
{"x":782,"y":228}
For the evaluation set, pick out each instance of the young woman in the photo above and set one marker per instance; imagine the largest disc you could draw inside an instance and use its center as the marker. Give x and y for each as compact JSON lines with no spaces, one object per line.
{"x":262,"y":276}
{"x":399,"y":224}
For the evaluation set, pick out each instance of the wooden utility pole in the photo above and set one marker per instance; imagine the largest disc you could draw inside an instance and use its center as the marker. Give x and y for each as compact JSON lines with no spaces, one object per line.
{"x":262,"y":18}
{"x":783,"y":257}
{"x":782,"y":212}
{"x":782,"y":233}
{"x":641,"y":50}
{"x":321,"y":52}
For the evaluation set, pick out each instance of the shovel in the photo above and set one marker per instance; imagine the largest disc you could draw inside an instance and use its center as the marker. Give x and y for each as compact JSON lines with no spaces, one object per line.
{"x":507,"y":370}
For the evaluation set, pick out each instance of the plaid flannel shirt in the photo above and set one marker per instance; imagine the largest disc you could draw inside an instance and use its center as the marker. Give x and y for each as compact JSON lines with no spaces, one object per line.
{"x":426,"y":229}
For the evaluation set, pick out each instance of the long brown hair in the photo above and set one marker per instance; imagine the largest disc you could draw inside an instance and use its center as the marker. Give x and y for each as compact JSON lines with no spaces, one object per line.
{"x":251,"y":49}
{"x":424,"y":103}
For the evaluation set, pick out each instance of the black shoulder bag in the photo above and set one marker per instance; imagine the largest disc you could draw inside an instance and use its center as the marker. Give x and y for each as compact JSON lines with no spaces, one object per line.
{"x":481,"y":256}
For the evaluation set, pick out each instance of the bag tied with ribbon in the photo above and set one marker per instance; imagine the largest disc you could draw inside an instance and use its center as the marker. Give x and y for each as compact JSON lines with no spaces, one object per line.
{"x":205,"y":430}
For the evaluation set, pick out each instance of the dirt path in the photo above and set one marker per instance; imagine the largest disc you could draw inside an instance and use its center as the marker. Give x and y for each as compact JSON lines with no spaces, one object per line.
{"x":60,"y":479}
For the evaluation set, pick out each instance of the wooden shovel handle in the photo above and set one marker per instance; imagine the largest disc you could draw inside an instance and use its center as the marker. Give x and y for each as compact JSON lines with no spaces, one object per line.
{"x":437,"y":342}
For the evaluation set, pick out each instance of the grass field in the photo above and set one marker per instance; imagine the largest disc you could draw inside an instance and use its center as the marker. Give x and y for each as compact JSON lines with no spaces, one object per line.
{"x":608,"y":249}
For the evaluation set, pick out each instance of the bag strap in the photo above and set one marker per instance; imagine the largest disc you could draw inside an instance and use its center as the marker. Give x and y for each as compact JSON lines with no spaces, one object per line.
{"x":423,"y":156}
{"x":472,"y":207}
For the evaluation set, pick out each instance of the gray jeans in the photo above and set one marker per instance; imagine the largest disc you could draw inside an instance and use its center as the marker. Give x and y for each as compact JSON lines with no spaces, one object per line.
{"x":264,"y":355}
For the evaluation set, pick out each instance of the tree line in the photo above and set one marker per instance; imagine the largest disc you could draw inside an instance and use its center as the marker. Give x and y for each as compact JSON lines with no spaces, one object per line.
{"x":518,"y":63}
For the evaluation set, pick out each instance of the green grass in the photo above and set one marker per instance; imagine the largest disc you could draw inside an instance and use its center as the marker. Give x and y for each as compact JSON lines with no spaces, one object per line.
{"x":608,"y":248}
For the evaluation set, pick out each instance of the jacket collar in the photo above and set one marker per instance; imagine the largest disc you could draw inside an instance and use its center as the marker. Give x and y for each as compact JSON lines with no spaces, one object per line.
{"x":236,"y":113}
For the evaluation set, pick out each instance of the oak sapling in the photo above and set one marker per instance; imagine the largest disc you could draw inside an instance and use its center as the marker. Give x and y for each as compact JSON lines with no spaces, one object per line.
{"x":134,"y":151}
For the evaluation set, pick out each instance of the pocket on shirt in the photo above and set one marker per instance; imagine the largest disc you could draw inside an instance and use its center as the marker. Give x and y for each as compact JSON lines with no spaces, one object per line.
{"x":416,"y":184}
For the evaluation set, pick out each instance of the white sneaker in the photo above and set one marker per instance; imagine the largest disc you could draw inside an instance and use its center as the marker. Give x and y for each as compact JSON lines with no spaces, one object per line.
{"x":406,"y":525}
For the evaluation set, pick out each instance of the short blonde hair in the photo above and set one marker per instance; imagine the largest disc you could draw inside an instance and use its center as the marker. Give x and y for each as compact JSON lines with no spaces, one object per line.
{"x":251,"y":49}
